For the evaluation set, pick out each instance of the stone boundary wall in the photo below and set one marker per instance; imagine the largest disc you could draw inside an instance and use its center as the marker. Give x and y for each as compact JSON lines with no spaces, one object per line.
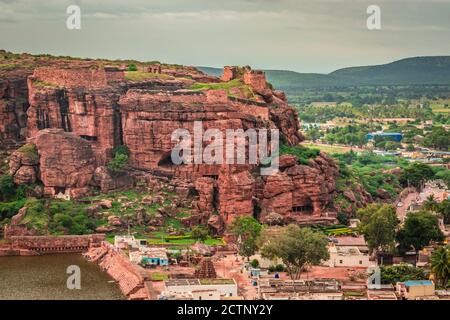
{"x":56,"y":244}
{"x":256,"y":79}
{"x":81,"y":77}
{"x":255,"y":109}
{"x":133,"y":284}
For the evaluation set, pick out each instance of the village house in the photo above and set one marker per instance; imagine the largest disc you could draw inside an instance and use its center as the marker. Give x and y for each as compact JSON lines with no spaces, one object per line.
{"x":415,"y":289}
{"x":200,"y":289}
{"x":126,"y":242}
{"x":347,"y":256}
{"x":279,"y":289}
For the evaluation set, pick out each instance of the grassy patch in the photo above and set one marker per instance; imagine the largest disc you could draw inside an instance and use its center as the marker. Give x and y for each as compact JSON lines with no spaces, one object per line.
{"x":303,"y":154}
{"x":327,"y":148}
{"x":244,"y":89}
{"x":29,"y":150}
{"x":8,"y":66}
{"x":44,"y":84}
{"x":156,"y":276}
{"x":142,"y":75}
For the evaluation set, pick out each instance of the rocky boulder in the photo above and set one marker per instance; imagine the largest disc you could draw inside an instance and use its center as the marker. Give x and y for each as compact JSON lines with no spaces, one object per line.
{"x":66,"y":162}
{"x":23,"y":164}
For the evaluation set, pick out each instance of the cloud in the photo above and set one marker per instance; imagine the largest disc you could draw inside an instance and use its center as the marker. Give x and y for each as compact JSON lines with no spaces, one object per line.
{"x":304,"y":35}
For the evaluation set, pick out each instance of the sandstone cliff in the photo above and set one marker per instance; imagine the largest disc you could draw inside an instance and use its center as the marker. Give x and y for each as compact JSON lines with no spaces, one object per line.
{"x":78,"y":111}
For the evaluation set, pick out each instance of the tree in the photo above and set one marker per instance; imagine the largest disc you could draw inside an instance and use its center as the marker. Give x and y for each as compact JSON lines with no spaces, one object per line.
{"x":420,"y":228}
{"x":416,"y":174}
{"x":254,"y":263}
{"x":400,"y":273}
{"x":444,"y":209}
{"x":378,"y":225}
{"x":342,"y":218}
{"x":313,"y":134}
{"x":440,"y":265}
{"x":431,"y":204}
{"x":247,"y":229}
{"x":410,"y":147}
{"x":297,"y":248}
{"x":439,"y":138}
{"x":132,"y":67}
{"x":7,"y":188}
{"x":200,"y":233}
{"x":117,"y":164}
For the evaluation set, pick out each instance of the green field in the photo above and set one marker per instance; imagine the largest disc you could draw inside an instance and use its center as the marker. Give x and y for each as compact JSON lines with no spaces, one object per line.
{"x":327,"y":148}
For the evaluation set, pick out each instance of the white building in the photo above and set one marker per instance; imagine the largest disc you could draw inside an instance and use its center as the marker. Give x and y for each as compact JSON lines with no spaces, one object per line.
{"x":341,"y":256}
{"x":201,"y":289}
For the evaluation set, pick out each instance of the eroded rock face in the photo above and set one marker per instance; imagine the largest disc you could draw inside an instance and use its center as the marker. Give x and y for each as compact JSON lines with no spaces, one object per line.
{"x":24,"y":165}
{"x":66,"y":162}
{"x":108,"y":181}
{"x":78,"y":115}
{"x":295,"y":194}
{"x":13,"y":108}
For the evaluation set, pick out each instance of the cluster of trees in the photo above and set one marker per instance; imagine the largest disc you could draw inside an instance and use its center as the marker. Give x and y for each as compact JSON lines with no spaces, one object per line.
{"x":353,"y":134}
{"x":416,"y":174}
{"x":381,"y":229}
{"x":440,"y":265}
{"x":439,"y":138}
{"x":359,"y":109}
{"x":296,"y":247}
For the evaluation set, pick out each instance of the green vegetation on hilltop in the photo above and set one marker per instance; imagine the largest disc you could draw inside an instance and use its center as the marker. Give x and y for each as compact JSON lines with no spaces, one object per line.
{"x":369,"y":171}
{"x":231,"y":87}
{"x":142,"y":75}
{"x":302,"y":153}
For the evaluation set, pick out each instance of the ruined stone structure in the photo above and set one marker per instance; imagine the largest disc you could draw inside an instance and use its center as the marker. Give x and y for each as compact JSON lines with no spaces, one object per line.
{"x":76,"y":116}
{"x":132,"y":281}
{"x":57,"y":244}
{"x":205,"y":270}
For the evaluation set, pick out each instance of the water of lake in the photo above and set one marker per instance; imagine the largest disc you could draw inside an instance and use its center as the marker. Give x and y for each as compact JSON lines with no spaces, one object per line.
{"x":45,"y":278}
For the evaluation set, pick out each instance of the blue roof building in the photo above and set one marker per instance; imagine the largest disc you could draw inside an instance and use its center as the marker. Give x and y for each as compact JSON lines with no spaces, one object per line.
{"x":394,"y":136}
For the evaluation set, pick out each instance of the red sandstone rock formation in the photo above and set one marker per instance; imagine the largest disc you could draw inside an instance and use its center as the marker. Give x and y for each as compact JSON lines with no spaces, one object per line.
{"x":78,"y":113}
{"x":66,"y":162}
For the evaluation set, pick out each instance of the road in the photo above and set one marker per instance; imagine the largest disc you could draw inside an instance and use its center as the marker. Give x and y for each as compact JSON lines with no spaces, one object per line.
{"x":407,"y":202}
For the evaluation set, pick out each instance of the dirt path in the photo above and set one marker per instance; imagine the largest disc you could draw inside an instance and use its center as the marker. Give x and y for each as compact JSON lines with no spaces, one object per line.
{"x":407,"y":201}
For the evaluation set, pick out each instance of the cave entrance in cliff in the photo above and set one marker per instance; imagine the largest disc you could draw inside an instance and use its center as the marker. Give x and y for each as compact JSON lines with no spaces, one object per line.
{"x":192,"y":193}
{"x":256,"y":210}
{"x":166,"y":160}
{"x":59,"y":190}
{"x":89,"y":138}
{"x":212,"y":176}
{"x":306,"y":208}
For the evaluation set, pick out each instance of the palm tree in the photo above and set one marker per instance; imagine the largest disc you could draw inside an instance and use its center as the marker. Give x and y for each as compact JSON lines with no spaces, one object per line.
{"x":440,"y":265}
{"x":431,"y":204}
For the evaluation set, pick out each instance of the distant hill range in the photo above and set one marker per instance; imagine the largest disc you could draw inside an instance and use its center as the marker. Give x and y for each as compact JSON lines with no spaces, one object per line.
{"x":409,"y":71}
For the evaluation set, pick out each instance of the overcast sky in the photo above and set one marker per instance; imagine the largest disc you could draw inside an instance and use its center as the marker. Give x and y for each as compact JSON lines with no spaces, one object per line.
{"x":299,"y":35}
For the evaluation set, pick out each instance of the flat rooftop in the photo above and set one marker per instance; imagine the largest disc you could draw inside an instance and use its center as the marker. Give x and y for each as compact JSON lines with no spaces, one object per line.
{"x":197,"y":282}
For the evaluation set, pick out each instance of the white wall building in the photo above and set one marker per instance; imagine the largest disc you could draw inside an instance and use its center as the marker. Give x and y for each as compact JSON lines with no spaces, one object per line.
{"x":202,"y":289}
{"x":341,"y":256}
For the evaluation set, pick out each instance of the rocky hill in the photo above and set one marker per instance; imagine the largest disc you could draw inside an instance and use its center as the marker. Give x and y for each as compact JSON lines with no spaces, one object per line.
{"x":73,"y":113}
{"x":409,"y":71}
